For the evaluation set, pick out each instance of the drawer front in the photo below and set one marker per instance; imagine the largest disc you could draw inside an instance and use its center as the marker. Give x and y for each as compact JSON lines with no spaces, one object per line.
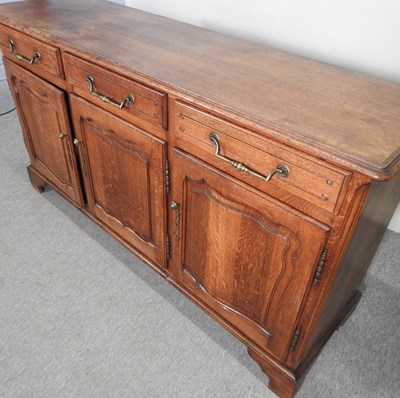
{"x":249,"y":157}
{"x":33,"y":54}
{"x":129,"y":99}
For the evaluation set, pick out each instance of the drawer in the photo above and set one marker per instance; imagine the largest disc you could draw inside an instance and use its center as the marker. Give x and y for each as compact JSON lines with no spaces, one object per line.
{"x":33,"y":54}
{"x":288,"y":175}
{"x":129,"y":99}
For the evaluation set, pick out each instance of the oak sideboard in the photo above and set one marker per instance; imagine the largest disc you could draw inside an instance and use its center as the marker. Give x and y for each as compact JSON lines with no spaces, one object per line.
{"x":257,"y":182}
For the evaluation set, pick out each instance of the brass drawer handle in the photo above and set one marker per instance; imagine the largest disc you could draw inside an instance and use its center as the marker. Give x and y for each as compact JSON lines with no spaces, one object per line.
{"x":129,"y":99}
{"x":35,"y":57}
{"x":281,"y":169}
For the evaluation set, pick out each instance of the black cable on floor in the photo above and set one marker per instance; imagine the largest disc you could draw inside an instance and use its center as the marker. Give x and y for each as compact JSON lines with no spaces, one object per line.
{"x":6,"y":113}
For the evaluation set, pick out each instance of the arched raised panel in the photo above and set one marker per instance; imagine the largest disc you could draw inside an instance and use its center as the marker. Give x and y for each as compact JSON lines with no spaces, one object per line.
{"x":47,"y":132}
{"x":42,"y":120}
{"x":248,"y":257}
{"x":257,"y":247}
{"x":123,"y":174}
{"x":120,"y":179}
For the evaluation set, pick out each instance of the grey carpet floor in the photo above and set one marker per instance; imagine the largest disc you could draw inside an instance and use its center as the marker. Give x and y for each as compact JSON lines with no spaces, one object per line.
{"x":82,"y":317}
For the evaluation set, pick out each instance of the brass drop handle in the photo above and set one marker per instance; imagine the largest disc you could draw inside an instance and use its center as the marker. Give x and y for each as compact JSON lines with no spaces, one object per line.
{"x":281,"y":169}
{"x":35,"y":57}
{"x":129,"y":99}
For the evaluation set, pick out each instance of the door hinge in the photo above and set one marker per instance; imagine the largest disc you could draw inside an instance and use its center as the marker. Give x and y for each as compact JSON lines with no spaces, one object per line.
{"x":168,"y":248}
{"x":175,"y":206}
{"x":82,"y":156}
{"x":320,"y":267}
{"x":65,"y":138}
{"x":295,"y":339}
{"x":167,"y":177}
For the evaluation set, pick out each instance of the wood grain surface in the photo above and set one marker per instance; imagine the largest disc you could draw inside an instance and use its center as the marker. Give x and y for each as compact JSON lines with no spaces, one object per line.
{"x":339,"y":115}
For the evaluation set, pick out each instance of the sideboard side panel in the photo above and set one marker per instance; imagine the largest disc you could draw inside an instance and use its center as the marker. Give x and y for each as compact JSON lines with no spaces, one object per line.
{"x":375,"y":216}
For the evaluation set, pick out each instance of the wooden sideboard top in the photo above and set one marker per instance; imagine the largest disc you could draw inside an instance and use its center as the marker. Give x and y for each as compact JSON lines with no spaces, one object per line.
{"x":337,"y":115}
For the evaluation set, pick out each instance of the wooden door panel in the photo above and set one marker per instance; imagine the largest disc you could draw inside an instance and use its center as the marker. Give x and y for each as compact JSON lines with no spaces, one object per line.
{"x":248,"y":257}
{"x":45,"y":124}
{"x":124,"y":177}
{"x":42,"y":117}
{"x":115,"y":195}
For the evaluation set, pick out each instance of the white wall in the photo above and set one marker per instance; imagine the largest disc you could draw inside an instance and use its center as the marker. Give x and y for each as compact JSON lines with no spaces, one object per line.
{"x":395,"y":223}
{"x":362,"y":35}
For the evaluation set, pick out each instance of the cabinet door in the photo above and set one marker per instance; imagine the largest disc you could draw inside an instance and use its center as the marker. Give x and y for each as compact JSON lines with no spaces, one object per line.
{"x":123,"y":171}
{"x":45,"y":124}
{"x":246,"y":256}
